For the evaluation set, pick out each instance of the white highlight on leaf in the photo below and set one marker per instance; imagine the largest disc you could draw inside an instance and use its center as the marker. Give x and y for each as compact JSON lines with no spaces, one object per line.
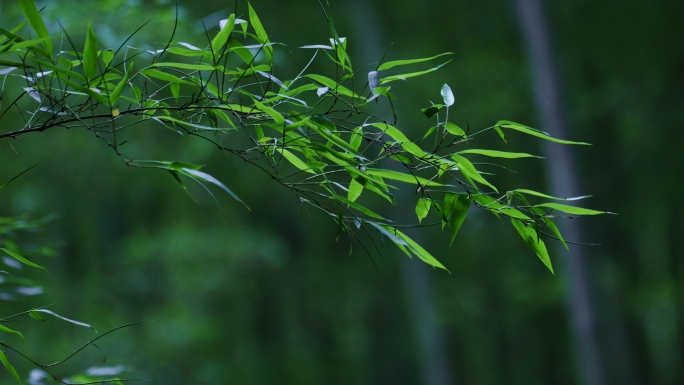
{"x":322,"y":91}
{"x":222,"y":23}
{"x":373,"y":80}
{"x":447,"y":95}
{"x":333,"y":42}
{"x":318,"y":46}
{"x":105,"y":370}
{"x":189,"y":46}
{"x":53,"y":111}
{"x":5,"y":71}
{"x":275,"y":79}
{"x":32,"y":92}
{"x":29,"y":290}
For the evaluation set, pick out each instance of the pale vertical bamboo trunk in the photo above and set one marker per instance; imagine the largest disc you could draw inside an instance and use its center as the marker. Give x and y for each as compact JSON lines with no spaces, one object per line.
{"x":562,"y":178}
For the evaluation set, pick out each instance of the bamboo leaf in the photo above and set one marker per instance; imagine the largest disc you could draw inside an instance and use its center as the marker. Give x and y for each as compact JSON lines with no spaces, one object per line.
{"x":410,"y":75}
{"x":395,"y":63}
{"x":401,"y":177}
{"x":262,"y":37}
{"x":21,"y":259}
{"x":422,"y":208}
{"x":90,"y":54}
{"x":28,"y":8}
{"x":537,"y":245}
{"x":167,"y":77}
{"x":355,"y":189}
{"x":572,"y":209}
{"x":533,"y":132}
{"x":461,"y":205}
{"x":499,"y":154}
{"x":9,"y":366}
{"x":223,"y":35}
{"x":5,"y":329}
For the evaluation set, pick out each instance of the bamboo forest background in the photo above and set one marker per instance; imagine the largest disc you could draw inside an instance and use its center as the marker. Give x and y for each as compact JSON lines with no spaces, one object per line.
{"x":269,"y":297}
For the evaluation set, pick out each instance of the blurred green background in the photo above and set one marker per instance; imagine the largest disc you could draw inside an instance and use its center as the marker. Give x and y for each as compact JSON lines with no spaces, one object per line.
{"x":269,"y":297}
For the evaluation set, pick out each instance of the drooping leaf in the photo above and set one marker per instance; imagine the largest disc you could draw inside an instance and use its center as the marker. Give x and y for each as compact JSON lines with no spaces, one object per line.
{"x":357,"y":206}
{"x":401,"y":177}
{"x":470,"y":171}
{"x":21,"y":259}
{"x":356,"y":138}
{"x":572,"y":209}
{"x":90,"y":54}
{"x":292,"y":158}
{"x":447,"y":95}
{"x":9,"y":366}
{"x":208,"y":178}
{"x":355,"y":189}
{"x":395,"y":63}
{"x":542,"y":195}
{"x":5,"y":329}
{"x":533,"y":132}
{"x":534,"y":242}
{"x":28,"y":8}
{"x":422,"y":208}
{"x":461,"y":205}
{"x":275,"y":115}
{"x":499,"y":154}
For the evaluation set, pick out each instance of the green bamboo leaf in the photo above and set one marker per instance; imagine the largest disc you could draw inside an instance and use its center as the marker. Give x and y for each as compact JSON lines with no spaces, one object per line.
{"x":28,"y":8}
{"x":399,"y":136}
{"x":275,"y":115}
{"x":203,"y":176}
{"x":401,"y":177}
{"x":499,"y":154}
{"x":534,"y":242}
{"x":194,"y":67}
{"x":535,"y":193}
{"x":167,"y":77}
{"x":107,"y":56}
{"x":533,"y":132}
{"x":90,"y":54}
{"x":454,"y":129}
{"x":572,"y":209}
{"x":36,"y":315}
{"x":333,"y":85}
{"x":21,"y":259}
{"x":356,"y":138}
{"x":422,"y":208}
{"x":292,"y":158}
{"x":355,"y":189}
{"x":470,"y":171}
{"x":411,"y":75}
{"x":262,"y":37}
{"x":395,"y":63}
{"x":9,"y":366}
{"x":461,"y":205}
{"x":432,"y":110}
{"x":8,"y":330}
{"x":419,"y":251}
{"x":223,"y":35}
{"x":116,"y":94}
{"x":357,"y":206}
